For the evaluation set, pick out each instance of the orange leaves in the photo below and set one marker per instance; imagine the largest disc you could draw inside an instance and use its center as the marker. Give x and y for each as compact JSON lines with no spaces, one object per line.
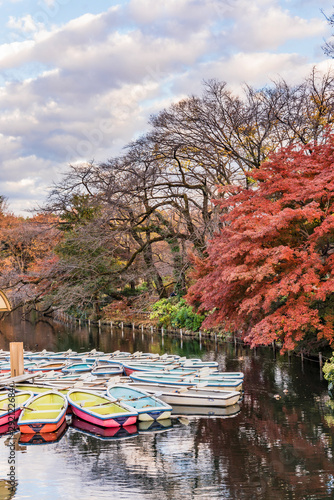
{"x":269,"y":271}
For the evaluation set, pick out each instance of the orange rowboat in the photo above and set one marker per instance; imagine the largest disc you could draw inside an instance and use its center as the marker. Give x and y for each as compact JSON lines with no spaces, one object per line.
{"x":45,"y":413}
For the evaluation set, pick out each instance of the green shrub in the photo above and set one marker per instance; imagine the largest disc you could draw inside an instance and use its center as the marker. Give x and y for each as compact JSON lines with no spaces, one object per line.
{"x":328,"y":371}
{"x":174,"y":312}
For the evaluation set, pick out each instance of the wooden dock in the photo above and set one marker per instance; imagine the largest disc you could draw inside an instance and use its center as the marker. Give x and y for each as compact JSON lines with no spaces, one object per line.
{"x":20,"y":378}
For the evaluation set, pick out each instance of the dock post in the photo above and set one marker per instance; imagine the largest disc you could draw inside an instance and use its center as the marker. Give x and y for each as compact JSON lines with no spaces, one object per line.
{"x":320,"y":364}
{"x":16,"y":359}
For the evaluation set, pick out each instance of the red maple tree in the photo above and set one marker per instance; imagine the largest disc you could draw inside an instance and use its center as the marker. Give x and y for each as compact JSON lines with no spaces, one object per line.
{"x":269,"y":272}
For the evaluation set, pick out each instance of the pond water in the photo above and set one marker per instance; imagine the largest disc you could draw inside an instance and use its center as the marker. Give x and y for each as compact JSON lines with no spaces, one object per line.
{"x":276,"y":444}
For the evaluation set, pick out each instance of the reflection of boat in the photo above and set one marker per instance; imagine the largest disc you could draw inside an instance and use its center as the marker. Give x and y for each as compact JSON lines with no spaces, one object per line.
{"x":104,"y":432}
{"x":155,"y":426}
{"x":8,"y":428}
{"x":100,"y":410}
{"x":44,"y":437}
{"x":205,"y":411}
{"x":10,"y":406}
{"x":148,"y":406}
{"x":44,"y":413}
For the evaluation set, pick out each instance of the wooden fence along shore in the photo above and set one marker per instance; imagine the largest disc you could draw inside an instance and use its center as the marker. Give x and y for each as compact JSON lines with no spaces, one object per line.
{"x":217,"y":336}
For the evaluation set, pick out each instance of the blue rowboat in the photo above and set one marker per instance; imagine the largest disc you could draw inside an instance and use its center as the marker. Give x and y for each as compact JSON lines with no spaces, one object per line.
{"x":229,"y":384}
{"x":77,"y":368}
{"x":148,"y":406}
{"x":5,"y":367}
{"x":62,"y":356}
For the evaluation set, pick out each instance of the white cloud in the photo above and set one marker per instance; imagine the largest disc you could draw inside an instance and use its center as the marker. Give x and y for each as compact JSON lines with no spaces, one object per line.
{"x":26,"y":24}
{"x":99,"y":76}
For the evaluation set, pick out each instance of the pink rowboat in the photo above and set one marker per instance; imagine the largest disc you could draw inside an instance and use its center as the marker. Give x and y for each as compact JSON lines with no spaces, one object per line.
{"x":100,"y":410}
{"x":11,"y":406}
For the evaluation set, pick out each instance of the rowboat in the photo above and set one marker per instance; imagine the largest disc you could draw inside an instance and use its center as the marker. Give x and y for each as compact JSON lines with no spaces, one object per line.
{"x":44,"y":413}
{"x":229,"y":384}
{"x":100,"y":409}
{"x":40,"y":355}
{"x":47,"y":367}
{"x":206,"y":411}
{"x":10,"y":406}
{"x":203,"y":373}
{"x":191,"y":395}
{"x":148,"y":406}
{"x":104,"y":433}
{"x":77,"y":368}
{"x":107,"y":369}
{"x":130,"y":367}
{"x":6,"y":368}
{"x":61,"y":356}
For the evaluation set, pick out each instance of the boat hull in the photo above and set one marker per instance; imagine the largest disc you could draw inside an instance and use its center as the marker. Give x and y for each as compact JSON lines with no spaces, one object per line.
{"x":225,"y":385}
{"x":40,"y":427}
{"x":174,"y":395}
{"x":110,"y":422}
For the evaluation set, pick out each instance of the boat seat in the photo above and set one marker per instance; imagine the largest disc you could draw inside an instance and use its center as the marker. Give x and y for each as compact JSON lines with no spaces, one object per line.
{"x":43,"y":411}
{"x":40,"y":405}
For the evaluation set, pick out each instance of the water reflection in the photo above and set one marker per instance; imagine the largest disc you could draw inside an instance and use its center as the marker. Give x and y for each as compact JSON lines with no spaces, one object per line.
{"x":277,"y":443}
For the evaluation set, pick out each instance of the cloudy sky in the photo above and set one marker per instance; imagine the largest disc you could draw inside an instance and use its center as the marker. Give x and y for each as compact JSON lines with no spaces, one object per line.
{"x":79,"y":79}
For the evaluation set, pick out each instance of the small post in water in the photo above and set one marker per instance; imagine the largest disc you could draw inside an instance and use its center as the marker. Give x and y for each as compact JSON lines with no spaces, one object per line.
{"x":16,"y":359}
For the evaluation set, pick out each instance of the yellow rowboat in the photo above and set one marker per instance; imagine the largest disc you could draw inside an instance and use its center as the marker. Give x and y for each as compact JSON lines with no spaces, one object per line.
{"x":10,"y":406}
{"x":44,"y":413}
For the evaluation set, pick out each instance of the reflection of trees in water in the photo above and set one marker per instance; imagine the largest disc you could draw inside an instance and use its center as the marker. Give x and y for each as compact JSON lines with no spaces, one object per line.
{"x":162,"y":464}
{"x":273,"y":448}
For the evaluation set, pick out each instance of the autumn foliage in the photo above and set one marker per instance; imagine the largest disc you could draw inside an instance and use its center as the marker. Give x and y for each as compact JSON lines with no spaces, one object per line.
{"x":269,"y":272}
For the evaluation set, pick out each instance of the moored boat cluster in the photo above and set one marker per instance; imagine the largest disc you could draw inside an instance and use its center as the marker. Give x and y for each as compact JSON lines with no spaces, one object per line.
{"x":112,"y":394}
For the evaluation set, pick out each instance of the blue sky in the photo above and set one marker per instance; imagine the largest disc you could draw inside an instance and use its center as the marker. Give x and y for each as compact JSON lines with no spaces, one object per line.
{"x":79,"y":79}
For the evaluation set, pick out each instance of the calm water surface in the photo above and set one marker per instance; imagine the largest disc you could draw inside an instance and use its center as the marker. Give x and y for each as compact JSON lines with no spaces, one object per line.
{"x":276,"y":444}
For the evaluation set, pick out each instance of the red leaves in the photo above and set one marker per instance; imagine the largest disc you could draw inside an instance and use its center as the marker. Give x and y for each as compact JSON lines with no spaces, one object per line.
{"x":269,"y":272}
